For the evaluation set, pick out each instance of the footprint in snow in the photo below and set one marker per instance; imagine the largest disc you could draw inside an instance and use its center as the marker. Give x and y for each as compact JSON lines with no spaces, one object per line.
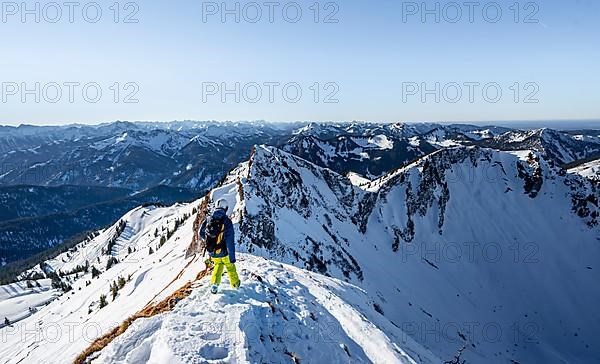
{"x":200,"y":327}
{"x":209,"y":336}
{"x":179,"y":328}
{"x":212,"y":352}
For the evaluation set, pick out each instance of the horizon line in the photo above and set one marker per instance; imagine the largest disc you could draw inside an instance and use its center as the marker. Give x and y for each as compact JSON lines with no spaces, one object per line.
{"x":461,"y":122}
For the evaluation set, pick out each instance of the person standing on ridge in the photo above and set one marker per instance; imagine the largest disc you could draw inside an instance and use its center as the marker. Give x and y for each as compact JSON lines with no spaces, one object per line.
{"x":218,"y":235}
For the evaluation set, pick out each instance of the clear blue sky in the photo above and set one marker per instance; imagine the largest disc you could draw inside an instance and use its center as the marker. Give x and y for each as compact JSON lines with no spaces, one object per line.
{"x":370,"y":54}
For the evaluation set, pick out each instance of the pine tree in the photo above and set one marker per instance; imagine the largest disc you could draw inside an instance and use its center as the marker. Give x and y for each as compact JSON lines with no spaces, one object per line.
{"x":121,"y":282}
{"x":114,"y":290}
{"x":103,"y":300}
{"x":95,"y":272}
{"x":150,"y":251}
{"x":111,"y":261}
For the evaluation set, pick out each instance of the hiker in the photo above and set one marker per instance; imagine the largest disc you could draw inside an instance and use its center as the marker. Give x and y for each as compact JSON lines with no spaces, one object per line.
{"x":218,"y":235}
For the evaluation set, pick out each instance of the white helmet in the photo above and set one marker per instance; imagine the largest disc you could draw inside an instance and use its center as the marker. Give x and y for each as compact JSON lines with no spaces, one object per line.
{"x":222,"y":204}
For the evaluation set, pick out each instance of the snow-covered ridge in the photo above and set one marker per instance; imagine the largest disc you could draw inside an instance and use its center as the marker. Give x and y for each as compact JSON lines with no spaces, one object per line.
{"x":589,"y":170}
{"x":282,"y":311}
{"x":279,"y":313}
{"x":561,"y":147}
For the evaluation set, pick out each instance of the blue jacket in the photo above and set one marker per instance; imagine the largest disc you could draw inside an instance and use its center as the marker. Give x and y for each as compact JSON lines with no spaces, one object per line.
{"x":228,"y":235}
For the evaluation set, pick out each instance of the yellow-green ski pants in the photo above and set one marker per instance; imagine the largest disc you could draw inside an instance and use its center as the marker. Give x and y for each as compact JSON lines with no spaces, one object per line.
{"x":234,"y":280}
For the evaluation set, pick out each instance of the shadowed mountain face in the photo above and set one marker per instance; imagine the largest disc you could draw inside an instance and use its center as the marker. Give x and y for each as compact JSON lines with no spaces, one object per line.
{"x":39,"y":218}
{"x":123,"y":155}
{"x":561,"y":147}
{"x":35,"y":201}
{"x":368,"y":154}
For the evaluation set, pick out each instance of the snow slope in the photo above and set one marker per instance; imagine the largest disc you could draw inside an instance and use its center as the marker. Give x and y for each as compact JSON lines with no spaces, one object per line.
{"x":59,"y":331}
{"x":589,"y":170}
{"x":276,"y":312}
{"x":279,"y":312}
{"x":19,"y":301}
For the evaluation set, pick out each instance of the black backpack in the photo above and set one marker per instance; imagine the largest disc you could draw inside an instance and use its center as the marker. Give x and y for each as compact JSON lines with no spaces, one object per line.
{"x":215,"y":228}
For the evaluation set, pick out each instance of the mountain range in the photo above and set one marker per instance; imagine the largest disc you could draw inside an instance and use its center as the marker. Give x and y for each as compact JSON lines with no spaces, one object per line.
{"x":106,"y":164}
{"x":196,"y":155}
